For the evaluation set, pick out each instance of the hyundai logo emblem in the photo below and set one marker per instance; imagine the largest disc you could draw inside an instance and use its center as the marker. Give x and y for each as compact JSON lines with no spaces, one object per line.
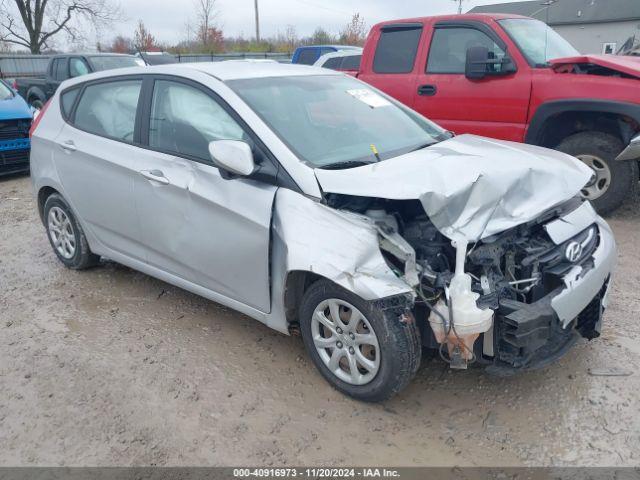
{"x":573,"y":252}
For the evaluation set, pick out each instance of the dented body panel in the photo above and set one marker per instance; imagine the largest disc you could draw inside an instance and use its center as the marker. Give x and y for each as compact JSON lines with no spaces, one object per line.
{"x":470,"y":187}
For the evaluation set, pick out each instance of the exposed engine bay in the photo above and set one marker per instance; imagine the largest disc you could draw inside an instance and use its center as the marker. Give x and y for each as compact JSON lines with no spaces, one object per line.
{"x":488,"y":301}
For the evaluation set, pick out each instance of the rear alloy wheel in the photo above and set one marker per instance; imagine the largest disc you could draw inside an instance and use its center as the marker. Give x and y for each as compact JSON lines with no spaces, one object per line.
{"x":363,"y":349}
{"x":613,"y":181}
{"x":66,"y":235}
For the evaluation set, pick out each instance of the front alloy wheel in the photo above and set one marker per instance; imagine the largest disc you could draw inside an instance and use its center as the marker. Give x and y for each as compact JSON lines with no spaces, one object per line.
{"x":369,"y":350}
{"x":345,"y":341}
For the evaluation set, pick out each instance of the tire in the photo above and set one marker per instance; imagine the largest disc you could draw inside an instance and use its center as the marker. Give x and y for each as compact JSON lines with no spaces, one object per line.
{"x":615,"y":180}
{"x":36,"y":103}
{"x":398,"y":351}
{"x":66,"y":235}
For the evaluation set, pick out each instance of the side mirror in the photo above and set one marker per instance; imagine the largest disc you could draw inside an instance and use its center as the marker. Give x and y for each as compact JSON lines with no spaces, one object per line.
{"x":476,"y":62}
{"x":479,"y":63}
{"x":232,"y":156}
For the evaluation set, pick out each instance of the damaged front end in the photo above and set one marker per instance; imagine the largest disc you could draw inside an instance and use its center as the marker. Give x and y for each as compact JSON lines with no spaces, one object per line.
{"x":518,"y":299}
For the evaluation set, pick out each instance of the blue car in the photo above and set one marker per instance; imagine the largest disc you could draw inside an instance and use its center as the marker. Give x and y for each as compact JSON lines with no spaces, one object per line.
{"x":15,"y":121}
{"x":309,"y":54}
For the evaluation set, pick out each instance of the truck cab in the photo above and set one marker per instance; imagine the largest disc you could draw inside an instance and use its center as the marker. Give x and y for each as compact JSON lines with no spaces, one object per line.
{"x":514,"y":78}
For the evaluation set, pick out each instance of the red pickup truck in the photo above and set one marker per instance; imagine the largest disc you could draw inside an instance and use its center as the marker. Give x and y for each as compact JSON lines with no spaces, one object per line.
{"x":514,"y":78}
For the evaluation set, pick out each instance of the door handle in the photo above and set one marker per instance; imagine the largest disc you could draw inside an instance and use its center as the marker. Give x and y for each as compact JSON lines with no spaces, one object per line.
{"x":155,"y":176}
{"x":427,"y":90}
{"x":68,"y":145}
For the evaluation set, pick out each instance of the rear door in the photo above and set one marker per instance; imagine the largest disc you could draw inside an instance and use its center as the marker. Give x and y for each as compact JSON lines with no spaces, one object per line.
{"x":392,"y":67}
{"x":495,"y":106}
{"x":203,"y":228}
{"x":59,"y":73}
{"x":97,"y":160}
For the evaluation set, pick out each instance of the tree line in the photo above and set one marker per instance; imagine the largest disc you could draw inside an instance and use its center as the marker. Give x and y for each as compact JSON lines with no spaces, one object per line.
{"x":35,"y":25}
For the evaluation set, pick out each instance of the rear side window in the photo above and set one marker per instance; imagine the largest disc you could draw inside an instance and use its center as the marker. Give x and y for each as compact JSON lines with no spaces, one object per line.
{"x":308,"y":56}
{"x":109,"y":109}
{"x":333,"y":63}
{"x":396,"y":50}
{"x":67,"y":99}
{"x":352,"y":62}
{"x":448,"y":51}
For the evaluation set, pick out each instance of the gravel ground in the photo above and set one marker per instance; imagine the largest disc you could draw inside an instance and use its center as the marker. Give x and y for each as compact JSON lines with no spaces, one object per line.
{"x":112,"y":367}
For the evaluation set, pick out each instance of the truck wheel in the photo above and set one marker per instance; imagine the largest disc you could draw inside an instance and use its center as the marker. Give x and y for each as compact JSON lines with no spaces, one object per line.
{"x":66,"y":235}
{"x":359,"y":350}
{"x":36,"y":103}
{"x":614,"y":180}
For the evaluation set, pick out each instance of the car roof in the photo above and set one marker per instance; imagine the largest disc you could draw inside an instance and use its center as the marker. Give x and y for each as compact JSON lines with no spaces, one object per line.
{"x":241,"y":69}
{"x":95,"y":54}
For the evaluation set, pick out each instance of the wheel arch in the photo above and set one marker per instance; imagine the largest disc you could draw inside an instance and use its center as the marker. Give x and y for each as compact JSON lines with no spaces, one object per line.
{"x":556,"y":120}
{"x":44,"y":193}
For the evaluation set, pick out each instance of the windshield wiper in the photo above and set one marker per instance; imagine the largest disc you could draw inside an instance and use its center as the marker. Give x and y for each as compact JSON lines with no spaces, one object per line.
{"x":347,"y":164}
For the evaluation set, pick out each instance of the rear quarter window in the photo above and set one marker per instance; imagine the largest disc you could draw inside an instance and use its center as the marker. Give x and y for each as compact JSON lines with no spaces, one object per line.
{"x":396,"y":50}
{"x":67,"y":99}
{"x":333,"y":63}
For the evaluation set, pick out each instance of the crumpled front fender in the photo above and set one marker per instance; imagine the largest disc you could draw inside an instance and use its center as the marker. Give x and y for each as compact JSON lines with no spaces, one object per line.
{"x":337,"y":245}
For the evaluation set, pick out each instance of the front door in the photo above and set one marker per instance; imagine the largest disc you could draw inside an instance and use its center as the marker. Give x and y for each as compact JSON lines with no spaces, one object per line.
{"x":197,"y":225}
{"x":495,"y":106}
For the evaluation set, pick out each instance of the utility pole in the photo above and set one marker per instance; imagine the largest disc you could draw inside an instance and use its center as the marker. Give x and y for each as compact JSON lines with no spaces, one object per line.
{"x":459,"y":2}
{"x":257,"y":21}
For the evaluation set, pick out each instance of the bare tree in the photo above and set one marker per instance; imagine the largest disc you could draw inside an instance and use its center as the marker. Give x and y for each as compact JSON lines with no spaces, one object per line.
{"x":354,"y":32}
{"x":143,"y":41}
{"x":34,"y":23}
{"x":205,"y":16}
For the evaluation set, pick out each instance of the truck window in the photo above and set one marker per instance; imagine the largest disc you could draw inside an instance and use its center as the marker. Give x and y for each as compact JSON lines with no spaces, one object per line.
{"x":448,"y":51}
{"x":78,"y":67}
{"x":396,"y":50}
{"x":60,"y":69}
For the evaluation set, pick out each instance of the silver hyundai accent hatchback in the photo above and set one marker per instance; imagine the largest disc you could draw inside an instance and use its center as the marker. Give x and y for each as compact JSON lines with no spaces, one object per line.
{"x":312,"y":202}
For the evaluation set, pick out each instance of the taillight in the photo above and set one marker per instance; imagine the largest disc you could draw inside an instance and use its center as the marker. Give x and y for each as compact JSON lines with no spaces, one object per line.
{"x":37,"y":116}
{"x":15,"y":85}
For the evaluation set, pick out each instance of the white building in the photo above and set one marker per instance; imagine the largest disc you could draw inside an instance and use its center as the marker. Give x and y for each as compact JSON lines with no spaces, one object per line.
{"x":592,"y":26}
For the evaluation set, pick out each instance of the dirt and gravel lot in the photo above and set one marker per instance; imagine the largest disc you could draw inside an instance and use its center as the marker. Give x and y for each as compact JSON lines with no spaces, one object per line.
{"x":112,"y":367}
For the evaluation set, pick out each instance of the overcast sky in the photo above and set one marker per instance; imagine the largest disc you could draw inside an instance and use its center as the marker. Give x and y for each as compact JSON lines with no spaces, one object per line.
{"x":166,"y":19}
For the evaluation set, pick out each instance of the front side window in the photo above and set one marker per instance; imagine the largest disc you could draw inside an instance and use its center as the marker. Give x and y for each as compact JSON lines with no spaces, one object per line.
{"x":448,"y":51}
{"x":537,"y":41}
{"x":78,"y":67}
{"x":396,"y":50}
{"x":334,"y":120}
{"x":184,"y":119}
{"x":109,"y":109}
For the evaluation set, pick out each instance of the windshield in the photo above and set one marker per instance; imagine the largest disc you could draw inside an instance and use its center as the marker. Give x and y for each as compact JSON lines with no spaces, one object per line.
{"x":537,"y":41}
{"x":5,"y":92}
{"x":109,"y":63}
{"x":334,"y":121}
